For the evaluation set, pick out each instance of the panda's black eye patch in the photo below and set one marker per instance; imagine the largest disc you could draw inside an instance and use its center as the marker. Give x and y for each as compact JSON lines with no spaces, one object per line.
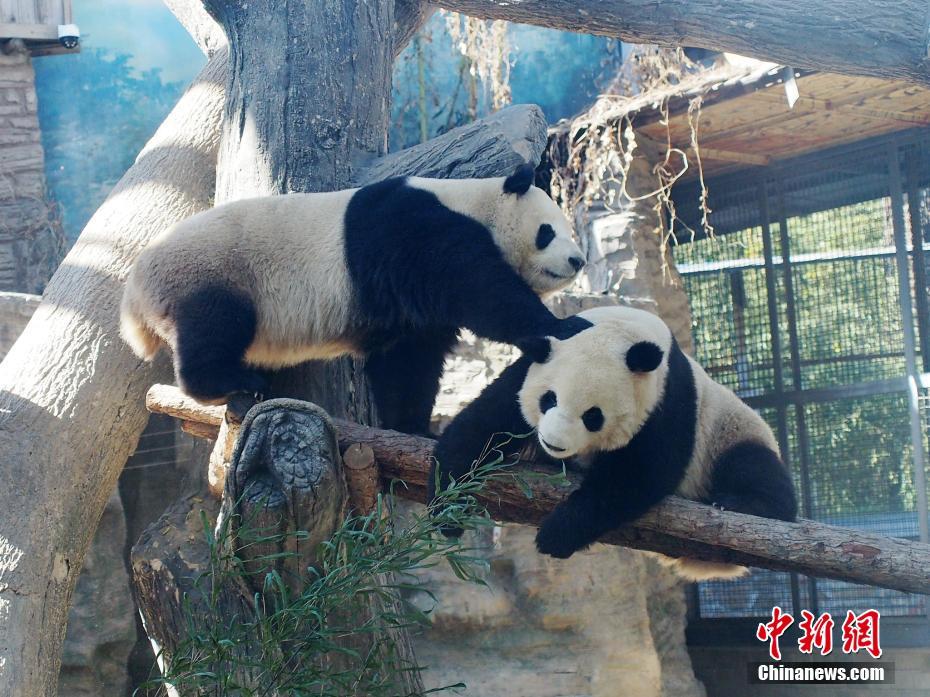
{"x":593,"y":419}
{"x":544,"y":236}
{"x":547,"y":401}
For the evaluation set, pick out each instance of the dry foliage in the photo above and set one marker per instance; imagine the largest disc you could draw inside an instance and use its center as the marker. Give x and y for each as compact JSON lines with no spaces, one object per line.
{"x":591,"y":155}
{"x":486,"y":50}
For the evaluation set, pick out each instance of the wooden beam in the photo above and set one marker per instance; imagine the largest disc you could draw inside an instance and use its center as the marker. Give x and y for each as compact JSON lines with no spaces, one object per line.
{"x":884,"y":38}
{"x":815,"y":104}
{"x":676,"y":527}
{"x":775,"y":95}
{"x":733,"y":156}
{"x":29,"y":32}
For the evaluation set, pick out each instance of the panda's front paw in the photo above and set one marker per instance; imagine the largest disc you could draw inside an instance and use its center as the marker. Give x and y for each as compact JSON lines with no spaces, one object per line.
{"x":559,"y":537}
{"x":730,"y":502}
{"x":568,"y":327}
{"x":556,"y":542}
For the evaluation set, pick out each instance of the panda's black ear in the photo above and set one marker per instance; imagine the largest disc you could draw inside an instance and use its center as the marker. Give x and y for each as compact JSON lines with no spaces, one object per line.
{"x":536,"y":348}
{"x":643,"y":357}
{"x":520,"y":181}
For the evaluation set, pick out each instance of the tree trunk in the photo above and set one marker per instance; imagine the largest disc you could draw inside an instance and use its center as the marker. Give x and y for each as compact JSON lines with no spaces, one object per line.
{"x":71,"y":394}
{"x":206,"y":33}
{"x":883,"y":38}
{"x":307,"y":108}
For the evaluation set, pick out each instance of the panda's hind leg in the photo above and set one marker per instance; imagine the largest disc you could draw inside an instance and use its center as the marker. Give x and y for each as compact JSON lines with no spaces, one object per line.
{"x":215,"y":326}
{"x":750,"y":478}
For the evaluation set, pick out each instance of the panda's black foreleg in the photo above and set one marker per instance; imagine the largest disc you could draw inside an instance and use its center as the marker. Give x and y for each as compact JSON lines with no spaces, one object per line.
{"x":749,"y":478}
{"x":404,"y":378}
{"x":484,"y":426}
{"x":215,"y":326}
{"x":610,"y":495}
{"x":502,"y":307}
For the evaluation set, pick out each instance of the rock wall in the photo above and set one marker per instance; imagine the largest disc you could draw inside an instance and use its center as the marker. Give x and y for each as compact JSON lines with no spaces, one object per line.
{"x":31,"y":241}
{"x":609,"y":621}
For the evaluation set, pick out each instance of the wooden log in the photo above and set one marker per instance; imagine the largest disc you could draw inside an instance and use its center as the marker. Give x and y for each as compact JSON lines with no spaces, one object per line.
{"x":285,"y":477}
{"x":676,"y":527}
{"x":884,"y":38}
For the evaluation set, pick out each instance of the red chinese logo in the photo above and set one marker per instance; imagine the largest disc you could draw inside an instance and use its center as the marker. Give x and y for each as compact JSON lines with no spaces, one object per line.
{"x":771,"y":631}
{"x":816,"y":633}
{"x":861,"y":632}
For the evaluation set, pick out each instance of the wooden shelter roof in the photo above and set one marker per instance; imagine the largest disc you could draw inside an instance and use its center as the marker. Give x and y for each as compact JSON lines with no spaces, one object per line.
{"x":746,"y":118}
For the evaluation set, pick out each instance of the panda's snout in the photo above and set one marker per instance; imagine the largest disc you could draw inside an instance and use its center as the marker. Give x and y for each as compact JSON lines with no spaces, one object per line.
{"x":550,"y":446}
{"x":577,"y":263}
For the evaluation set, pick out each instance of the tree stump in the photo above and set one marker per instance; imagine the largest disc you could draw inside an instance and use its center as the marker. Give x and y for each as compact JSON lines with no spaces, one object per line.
{"x":284,"y":496}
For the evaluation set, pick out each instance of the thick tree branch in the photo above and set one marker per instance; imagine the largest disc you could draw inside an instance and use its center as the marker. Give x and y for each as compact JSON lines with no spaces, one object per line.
{"x":884,"y":38}
{"x":677,"y":527}
{"x":203,"y":29}
{"x":70,"y":390}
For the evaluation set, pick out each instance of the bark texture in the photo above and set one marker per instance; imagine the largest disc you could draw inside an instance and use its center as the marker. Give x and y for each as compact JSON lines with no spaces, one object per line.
{"x":308,"y":96}
{"x":676,"y":527}
{"x":884,"y":38}
{"x":71,"y":394}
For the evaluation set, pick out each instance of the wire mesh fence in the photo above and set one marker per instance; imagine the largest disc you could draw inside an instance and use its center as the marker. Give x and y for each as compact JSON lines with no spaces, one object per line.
{"x":800,"y":304}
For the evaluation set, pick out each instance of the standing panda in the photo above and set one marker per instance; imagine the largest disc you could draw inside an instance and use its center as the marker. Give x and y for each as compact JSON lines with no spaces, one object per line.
{"x":645,"y":421}
{"x":391,"y":271}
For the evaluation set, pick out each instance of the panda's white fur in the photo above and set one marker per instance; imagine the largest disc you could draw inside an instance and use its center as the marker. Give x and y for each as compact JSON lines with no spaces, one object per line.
{"x":258,"y":246}
{"x":588,"y":370}
{"x":287,"y":254}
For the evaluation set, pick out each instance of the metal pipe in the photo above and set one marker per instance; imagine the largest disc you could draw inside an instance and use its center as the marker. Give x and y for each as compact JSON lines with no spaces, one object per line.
{"x":910,"y":353}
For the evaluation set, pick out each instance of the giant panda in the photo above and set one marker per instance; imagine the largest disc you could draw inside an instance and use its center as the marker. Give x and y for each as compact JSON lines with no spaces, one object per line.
{"x":391,"y":271}
{"x":641,"y":418}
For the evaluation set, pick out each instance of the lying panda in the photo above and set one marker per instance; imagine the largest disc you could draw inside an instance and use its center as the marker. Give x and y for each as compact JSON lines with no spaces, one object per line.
{"x":392,"y":271}
{"x":645,"y":419}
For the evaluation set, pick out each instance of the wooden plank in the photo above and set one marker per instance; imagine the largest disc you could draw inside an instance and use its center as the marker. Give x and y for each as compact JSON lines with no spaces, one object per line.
{"x":48,"y":12}
{"x":733,"y":156}
{"x":53,"y":11}
{"x":863,"y":110}
{"x":24,"y":12}
{"x":49,"y":48}
{"x":29,"y":32}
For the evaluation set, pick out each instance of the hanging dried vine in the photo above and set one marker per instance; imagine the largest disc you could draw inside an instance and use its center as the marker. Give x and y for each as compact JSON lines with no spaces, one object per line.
{"x":486,"y":52}
{"x":591,"y":156}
